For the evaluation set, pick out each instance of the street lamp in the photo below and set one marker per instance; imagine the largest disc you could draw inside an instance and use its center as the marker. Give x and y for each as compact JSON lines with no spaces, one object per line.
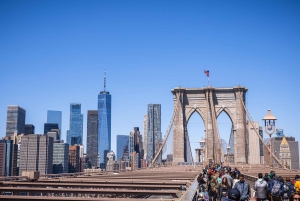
{"x":270,"y":130}
{"x":228,"y":149}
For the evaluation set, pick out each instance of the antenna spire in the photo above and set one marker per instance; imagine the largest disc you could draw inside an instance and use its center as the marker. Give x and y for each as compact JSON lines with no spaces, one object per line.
{"x":105,"y":80}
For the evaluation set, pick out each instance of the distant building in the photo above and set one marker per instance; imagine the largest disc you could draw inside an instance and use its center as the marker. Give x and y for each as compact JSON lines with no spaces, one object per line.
{"x":29,"y":129}
{"x":54,"y":117}
{"x":74,"y":158}
{"x":104,"y":125}
{"x":36,"y":154}
{"x":294,"y":149}
{"x":8,"y":157}
{"x":135,"y":144}
{"x":55,"y":134}
{"x":122,"y":140}
{"x":110,"y":166}
{"x":15,"y":120}
{"x":145,"y":131}
{"x":92,"y":138}
{"x":285,"y":153}
{"x":60,"y":157}
{"x":49,"y":126}
{"x":154,"y":135}
{"x":75,"y":132}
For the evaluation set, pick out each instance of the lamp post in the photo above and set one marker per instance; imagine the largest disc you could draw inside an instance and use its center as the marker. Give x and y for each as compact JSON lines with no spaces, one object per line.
{"x":228,"y":149}
{"x":270,"y":130}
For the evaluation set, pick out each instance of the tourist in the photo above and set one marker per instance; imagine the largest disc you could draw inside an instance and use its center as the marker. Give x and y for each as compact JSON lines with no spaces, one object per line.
{"x":236,"y":179}
{"x":223,"y":188}
{"x":297,"y":183}
{"x":201,"y":182}
{"x":233,"y":195}
{"x":289,"y":189}
{"x":295,"y":197}
{"x":212,"y":188}
{"x":261,"y":188}
{"x":244,"y":188}
{"x":276,"y":188}
{"x":229,"y":178}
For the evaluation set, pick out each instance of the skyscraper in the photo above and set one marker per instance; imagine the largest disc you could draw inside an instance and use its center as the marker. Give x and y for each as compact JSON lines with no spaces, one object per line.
{"x":60,"y":158}
{"x":92,"y":138}
{"x":104,"y":124}
{"x":15,"y":121}
{"x":29,"y":129}
{"x":8,"y":157}
{"x":154,"y":132}
{"x":145,"y":130}
{"x":49,"y":126}
{"x":54,"y":117}
{"x":36,"y":154}
{"x":135,"y":145}
{"x":75,"y":132}
{"x":122,"y":140}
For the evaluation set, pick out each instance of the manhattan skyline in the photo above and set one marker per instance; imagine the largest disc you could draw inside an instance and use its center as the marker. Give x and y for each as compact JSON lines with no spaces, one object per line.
{"x":148,"y":48}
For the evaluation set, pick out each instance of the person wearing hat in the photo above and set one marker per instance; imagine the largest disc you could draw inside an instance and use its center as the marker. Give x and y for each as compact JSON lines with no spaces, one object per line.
{"x":233,"y":194}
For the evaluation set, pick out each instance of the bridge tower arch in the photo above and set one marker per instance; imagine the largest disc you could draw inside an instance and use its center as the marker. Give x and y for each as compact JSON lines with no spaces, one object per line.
{"x":209,"y":102}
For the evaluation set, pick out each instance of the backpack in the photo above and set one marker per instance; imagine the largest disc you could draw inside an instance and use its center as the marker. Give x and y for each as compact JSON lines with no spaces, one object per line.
{"x":288,"y":190}
{"x":276,"y":190}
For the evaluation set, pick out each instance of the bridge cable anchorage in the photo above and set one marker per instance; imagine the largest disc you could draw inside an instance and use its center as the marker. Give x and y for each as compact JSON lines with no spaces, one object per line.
{"x":262,"y":140}
{"x":167,"y":133}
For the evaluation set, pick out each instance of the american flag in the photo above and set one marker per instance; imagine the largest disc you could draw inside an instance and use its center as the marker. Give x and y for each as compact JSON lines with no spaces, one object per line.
{"x":206,"y":72}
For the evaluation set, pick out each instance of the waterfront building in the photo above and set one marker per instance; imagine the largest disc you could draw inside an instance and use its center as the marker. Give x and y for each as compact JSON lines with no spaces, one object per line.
{"x":74,"y":158}
{"x":54,"y":116}
{"x":75,"y":132}
{"x":135,"y":144}
{"x":145,"y":131}
{"x":104,"y":125}
{"x":154,"y":135}
{"x":110,"y":166}
{"x":8,"y":157}
{"x":15,"y":120}
{"x":92,"y":138}
{"x":60,"y":157}
{"x":29,"y":129}
{"x":36,"y":154}
{"x":122,"y":140}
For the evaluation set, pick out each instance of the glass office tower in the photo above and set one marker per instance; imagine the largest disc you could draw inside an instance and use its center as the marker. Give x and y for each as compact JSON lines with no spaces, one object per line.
{"x":153,"y":131}
{"x":54,"y":117}
{"x":104,"y":124}
{"x":75,"y":132}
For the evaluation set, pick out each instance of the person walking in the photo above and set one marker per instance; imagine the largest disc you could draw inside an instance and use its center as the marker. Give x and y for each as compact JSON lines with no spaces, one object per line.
{"x":276,"y":188}
{"x":244,"y":188}
{"x":289,"y":189}
{"x":212,"y":188}
{"x":201,"y":183}
{"x":261,"y":188}
{"x":223,"y":188}
{"x":297,"y":184}
{"x":229,"y":178}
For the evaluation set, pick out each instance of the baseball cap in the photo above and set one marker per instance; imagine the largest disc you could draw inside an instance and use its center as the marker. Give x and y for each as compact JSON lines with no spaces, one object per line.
{"x":234,"y":194}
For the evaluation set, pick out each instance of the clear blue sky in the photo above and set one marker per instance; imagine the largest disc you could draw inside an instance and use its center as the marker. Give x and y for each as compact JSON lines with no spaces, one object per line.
{"x":53,"y":53}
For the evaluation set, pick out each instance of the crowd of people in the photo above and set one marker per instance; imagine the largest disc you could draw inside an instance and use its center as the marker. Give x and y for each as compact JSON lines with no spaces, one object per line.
{"x":223,"y":183}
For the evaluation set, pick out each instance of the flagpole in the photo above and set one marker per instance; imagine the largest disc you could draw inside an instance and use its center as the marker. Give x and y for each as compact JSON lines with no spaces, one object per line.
{"x":208,"y":80}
